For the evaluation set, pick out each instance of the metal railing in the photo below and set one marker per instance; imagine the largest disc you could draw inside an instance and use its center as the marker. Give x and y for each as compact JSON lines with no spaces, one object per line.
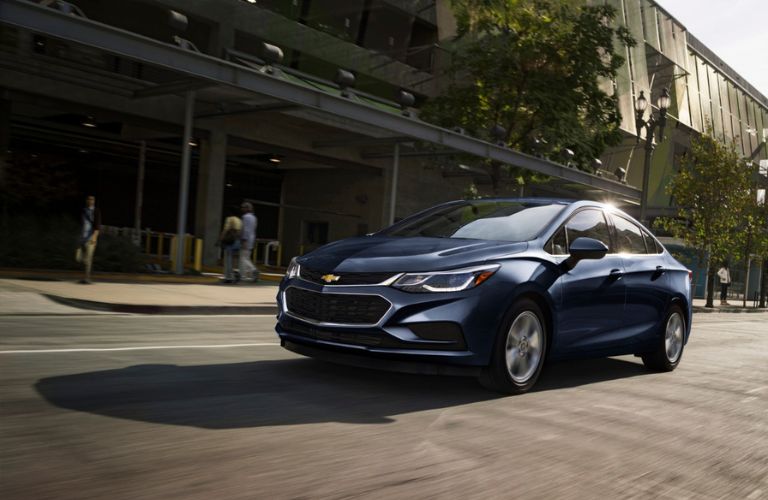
{"x":160,"y":248}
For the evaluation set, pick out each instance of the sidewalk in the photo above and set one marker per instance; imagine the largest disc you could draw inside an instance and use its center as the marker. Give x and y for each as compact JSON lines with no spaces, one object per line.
{"x":65,"y":297}
{"x":55,"y":292}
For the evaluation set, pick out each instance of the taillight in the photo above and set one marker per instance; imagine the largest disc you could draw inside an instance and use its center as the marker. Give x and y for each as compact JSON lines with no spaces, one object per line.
{"x":690,"y":276}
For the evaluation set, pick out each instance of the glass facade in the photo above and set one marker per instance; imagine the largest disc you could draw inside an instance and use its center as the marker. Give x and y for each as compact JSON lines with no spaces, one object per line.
{"x":706,"y":94}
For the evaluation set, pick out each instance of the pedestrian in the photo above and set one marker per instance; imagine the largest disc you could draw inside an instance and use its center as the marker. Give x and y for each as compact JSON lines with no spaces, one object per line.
{"x":725,"y":280}
{"x":90,"y":219}
{"x":247,"y":239}
{"x":230,"y":242}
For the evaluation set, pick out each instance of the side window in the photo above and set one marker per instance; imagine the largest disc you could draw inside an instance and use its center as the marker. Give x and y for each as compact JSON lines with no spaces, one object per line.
{"x":651,"y":244}
{"x":629,"y":239}
{"x":588,"y":224}
{"x":557,"y":245}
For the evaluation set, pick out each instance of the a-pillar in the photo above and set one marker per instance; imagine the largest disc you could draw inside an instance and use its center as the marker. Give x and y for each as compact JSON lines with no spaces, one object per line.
{"x":210,"y":194}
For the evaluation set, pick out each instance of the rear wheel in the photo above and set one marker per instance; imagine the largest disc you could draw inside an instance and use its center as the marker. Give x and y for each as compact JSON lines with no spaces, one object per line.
{"x":519,"y":350}
{"x":669,"y":349}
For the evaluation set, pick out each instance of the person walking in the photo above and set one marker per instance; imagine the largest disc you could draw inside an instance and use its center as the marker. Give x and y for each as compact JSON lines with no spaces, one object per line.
{"x":248,"y":271}
{"x":90,"y":219}
{"x":725,"y":281}
{"x":230,"y":242}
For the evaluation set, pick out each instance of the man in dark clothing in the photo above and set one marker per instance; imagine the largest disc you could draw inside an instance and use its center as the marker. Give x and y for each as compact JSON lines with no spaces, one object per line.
{"x":91,"y":225}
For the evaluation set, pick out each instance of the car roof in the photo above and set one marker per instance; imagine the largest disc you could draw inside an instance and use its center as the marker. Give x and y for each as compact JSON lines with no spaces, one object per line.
{"x":542,"y":201}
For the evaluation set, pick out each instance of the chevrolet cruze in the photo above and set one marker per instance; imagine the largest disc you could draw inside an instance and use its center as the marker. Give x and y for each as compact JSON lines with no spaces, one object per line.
{"x":492,"y":287}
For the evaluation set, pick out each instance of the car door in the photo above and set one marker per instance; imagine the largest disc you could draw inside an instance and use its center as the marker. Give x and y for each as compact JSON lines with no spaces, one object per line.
{"x":645,"y":278}
{"x":593,"y":292}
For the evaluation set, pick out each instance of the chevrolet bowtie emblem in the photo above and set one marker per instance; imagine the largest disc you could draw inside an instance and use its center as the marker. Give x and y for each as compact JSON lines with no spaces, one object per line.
{"x":330,"y":278}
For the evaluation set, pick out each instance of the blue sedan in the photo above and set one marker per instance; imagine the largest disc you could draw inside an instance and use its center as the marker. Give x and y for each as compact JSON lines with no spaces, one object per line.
{"x":491,"y":287}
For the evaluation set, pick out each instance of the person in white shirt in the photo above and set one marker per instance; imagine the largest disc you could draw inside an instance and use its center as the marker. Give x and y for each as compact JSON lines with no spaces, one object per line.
{"x":725,"y":280}
{"x":247,"y":239}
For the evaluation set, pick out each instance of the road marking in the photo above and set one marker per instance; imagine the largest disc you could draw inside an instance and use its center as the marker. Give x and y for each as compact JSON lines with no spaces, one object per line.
{"x":138,"y":348}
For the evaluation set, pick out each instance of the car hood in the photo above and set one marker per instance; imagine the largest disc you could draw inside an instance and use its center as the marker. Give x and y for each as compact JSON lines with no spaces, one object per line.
{"x":399,"y":254}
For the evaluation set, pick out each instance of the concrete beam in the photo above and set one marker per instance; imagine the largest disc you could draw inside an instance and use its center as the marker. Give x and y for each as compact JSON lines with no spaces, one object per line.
{"x":175,"y":87}
{"x":361,"y":141}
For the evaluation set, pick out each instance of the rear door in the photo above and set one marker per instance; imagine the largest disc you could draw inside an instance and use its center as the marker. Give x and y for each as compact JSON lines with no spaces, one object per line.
{"x":645,"y":277}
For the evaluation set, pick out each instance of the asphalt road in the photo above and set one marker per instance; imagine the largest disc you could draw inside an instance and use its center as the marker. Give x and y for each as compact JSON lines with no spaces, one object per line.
{"x":211,"y":407}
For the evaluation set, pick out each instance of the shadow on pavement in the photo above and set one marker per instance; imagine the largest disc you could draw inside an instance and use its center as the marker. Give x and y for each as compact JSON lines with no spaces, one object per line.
{"x":286,"y":392}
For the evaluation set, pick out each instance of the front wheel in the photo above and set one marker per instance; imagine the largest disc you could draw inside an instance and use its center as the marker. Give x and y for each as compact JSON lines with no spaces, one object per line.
{"x":519,"y":350}
{"x":669,"y":348}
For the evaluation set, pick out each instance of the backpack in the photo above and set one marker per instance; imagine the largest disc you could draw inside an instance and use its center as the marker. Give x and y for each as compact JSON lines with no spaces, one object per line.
{"x":230,"y":236}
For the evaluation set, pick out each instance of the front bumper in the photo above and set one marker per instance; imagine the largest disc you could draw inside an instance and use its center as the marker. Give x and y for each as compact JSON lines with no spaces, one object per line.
{"x":431,"y":328}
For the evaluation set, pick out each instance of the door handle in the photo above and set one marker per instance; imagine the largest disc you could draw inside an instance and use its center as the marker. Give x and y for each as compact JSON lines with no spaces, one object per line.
{"x":616,"y":273}
{"x":660,"y":269}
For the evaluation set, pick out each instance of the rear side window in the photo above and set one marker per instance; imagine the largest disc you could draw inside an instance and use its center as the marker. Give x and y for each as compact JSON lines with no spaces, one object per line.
{"x":651,"y":244}
{"x":629,"y":239}
{"x":588,"y":223}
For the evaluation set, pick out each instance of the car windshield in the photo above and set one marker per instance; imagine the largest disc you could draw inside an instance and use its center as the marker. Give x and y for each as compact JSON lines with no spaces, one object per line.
{"x":480,"y":219}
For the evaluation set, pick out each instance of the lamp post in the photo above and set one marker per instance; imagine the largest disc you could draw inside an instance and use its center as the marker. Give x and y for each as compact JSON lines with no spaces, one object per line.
{"x":650,"y":125}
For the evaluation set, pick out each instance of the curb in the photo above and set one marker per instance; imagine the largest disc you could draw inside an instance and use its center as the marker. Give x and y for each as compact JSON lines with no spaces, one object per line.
{"x":93,"y":305}
{"x":128,"y":278}
{"x":728,"y":310}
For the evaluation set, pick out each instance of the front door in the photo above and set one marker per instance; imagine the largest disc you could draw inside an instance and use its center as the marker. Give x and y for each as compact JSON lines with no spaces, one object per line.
{"x":593,"y":292}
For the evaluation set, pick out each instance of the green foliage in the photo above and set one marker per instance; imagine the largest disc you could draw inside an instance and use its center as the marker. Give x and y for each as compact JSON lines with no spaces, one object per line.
{"x":752,"y":236}
{"x":471,"y":193}
{"x":50,"y":243}
{"x":535,"y":67}
{"x":710,"y":191}
{"x":117,"y":254}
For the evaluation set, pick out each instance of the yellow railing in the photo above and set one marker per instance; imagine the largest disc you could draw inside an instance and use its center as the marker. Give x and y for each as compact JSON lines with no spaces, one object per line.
{"x":160,"y":247}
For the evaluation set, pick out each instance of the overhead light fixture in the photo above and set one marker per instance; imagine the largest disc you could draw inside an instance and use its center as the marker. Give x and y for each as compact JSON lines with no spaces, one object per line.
{"x":274,"y":159}
{"x":89,"y":122}
{"x":193,"y":143}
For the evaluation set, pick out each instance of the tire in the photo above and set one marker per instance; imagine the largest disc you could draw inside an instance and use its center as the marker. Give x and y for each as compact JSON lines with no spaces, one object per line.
{"x":522,"y":339}
{"x":669,"y":349}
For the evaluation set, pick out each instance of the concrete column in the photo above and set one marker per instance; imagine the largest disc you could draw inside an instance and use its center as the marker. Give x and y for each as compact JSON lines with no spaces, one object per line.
{"x":5,"y":136}
{"x":393,"y":188}
{"x":389,"y":177}
{"x":210,"y":193}
{"x":186,"y":155}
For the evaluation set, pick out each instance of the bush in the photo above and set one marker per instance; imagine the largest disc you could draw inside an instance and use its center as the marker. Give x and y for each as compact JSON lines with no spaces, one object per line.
{"x":50,"y":243}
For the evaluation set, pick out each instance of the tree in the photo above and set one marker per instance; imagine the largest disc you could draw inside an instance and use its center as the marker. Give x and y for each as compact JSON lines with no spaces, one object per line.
{"x":752,"y":236}
{"x":534,"y":67}
{"x":709,"y":191}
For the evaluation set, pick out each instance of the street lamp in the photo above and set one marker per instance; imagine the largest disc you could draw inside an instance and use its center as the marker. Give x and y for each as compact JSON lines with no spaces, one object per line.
{"x":650,"y":125}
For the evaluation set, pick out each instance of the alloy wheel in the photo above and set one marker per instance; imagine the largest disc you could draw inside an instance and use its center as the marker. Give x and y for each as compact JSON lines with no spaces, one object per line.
{"x":525,"y":340}
{"x":673,"y":337}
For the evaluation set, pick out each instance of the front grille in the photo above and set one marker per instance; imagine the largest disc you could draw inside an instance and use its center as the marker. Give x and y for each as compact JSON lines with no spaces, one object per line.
{"x":336,"y":307}
{"x":345,"y":278}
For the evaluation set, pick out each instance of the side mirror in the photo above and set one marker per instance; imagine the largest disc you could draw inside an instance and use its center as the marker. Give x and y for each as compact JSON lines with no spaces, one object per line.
{"x":585,"y":248}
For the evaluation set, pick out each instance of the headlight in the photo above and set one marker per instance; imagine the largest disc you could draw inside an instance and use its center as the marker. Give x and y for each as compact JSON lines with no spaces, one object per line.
{"x":293,"y":269}
{"x":446,"y":281}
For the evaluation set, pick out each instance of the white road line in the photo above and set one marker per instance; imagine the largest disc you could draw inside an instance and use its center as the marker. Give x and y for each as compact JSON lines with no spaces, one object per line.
{"x":138,"y":348}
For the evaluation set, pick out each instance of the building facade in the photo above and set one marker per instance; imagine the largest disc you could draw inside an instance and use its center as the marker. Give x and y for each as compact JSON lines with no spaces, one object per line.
{"x":93,"y":91}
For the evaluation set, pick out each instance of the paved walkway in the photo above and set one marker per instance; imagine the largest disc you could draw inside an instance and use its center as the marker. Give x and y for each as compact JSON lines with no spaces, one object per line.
{"x":66,"y":296}
{"x":60,"y":297}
